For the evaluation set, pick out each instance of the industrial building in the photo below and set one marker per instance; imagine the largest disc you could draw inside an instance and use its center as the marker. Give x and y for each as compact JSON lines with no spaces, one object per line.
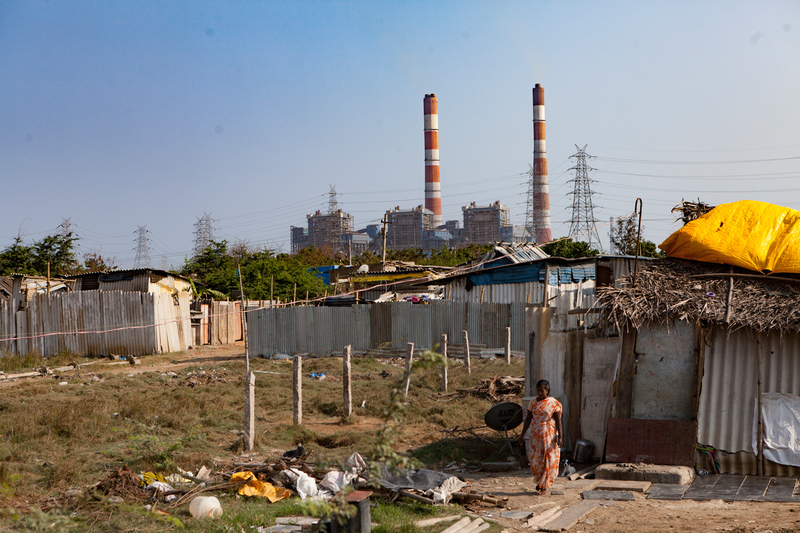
{"x":423,"y":227}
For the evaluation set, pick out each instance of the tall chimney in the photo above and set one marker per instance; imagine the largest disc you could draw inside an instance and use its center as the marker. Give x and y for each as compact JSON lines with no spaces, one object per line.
{"x":541,"y":190}
{"x":433,"y":188}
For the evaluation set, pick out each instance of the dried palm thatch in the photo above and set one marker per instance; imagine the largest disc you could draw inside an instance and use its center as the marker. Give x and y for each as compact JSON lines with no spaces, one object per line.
{"x":692,"y":210}
{"x":669,"y":289}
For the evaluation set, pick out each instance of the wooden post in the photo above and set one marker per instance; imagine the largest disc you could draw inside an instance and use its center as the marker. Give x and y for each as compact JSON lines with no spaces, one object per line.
{"x":532,"y":366}
{"x":482,"y":289}
{"x":297,"y":387}
{"x":249,"y":411}
{"x":409,"y":361}
{"x":466,"y":352}
{"x":294,"y":295}
{"x":730,"y":299}
{"x":244,"y":319}
{"x":444,"y":366}
{"x":760,"y":457}
{"x":508,"y":346}
{"x":48,"y":277}
{"x":306,"y":302}
{"x":271,"y":283}
{"x":545,"y":301}
{"x":348,"y":393}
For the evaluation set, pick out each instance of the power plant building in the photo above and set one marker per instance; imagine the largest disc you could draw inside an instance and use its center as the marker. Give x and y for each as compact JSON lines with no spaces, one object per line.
{"x":407,"y":228}
{"x":489,"y":224}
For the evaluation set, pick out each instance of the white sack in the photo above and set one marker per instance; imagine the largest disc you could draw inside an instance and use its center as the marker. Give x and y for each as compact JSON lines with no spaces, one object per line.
{"x":781,"y":416}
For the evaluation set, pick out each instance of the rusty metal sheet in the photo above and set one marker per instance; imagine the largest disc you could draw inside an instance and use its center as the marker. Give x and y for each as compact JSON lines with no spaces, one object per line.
{"x":662,"y":442}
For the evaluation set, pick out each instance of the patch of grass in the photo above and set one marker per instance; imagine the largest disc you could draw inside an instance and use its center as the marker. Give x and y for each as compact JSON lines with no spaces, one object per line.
{"x":472,"y":450}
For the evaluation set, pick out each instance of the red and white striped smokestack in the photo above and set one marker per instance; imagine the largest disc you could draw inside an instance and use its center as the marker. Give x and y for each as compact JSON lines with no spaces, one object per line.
{"x":541,"y":190}
{"x":433,"y":188}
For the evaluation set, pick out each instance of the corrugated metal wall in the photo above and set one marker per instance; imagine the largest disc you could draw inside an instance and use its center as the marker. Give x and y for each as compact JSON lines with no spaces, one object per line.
{"x":577,"y":295}
{"x":325,"y":330}
{"x":87,"y":323}
{"x":729,"y":390}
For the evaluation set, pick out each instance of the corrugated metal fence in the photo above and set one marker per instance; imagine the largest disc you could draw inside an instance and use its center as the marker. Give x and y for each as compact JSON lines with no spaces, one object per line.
{"x":324,"y":330}
{"x":96,"y":323}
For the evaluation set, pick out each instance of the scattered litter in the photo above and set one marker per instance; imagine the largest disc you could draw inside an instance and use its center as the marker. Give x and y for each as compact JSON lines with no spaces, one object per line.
{"x":205,"y":507}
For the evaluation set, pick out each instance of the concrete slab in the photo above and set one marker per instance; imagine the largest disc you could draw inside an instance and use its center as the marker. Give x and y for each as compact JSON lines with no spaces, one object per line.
{"x":666,"y":491}
{"x":570,"y":516}
{"x":682,"y":475}
{"x":582,"y":484}
{"x":615,"y":484}
{"x":433,"y":521}
{"x":618,"y":495}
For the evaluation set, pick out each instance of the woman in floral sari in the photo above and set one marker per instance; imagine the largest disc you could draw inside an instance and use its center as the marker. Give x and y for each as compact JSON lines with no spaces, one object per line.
{"x":543,"y":417}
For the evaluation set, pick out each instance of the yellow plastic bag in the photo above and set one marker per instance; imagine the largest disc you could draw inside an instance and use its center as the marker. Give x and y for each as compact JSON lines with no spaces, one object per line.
{"x":754,"y":235}
{"x":256,"y":487}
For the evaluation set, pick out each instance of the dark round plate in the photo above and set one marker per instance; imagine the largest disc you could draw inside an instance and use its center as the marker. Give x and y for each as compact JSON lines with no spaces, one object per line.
{"x":504,"y":416}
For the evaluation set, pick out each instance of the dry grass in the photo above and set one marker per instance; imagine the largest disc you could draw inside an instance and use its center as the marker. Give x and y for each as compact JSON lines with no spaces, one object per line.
{"x":73,"y":430}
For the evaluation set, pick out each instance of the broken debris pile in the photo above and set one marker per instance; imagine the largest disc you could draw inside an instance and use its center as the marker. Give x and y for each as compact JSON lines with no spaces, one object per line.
{"x":496,"y":389}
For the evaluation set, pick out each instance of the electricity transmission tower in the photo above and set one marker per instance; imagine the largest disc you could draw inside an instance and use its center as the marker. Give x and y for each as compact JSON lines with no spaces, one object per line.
{"x":203,"y":233}
{"x":583,"y":225}
{"x":142,"y":249}
{"x":66,"y":226}
{"x":334,"y":236}
{"x":530,"y":223}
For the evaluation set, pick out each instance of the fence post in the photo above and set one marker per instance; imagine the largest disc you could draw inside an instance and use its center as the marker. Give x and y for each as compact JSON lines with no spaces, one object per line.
{"x":348,"y":393}
{"x":466,"y":352}
{"x":249,"y":411}
{"x":444,"y":366}
{"x":409,"y":361}
{"x":297,"y":388}
{"x":508,"y":346}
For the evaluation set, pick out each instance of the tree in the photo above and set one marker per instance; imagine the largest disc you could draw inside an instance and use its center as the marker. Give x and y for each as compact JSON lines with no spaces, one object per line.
{"x":94,"y":262}
{"x":263,"y":273}
{"x":623,"y":238}
{"x":569,"y":249}
{"x":56,"y":250}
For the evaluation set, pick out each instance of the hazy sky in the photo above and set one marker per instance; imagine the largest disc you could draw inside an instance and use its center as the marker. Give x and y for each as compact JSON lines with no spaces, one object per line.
{"x":121,"y":114}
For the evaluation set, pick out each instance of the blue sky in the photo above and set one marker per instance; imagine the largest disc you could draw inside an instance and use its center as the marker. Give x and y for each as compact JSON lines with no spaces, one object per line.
{"x":123,"y":114}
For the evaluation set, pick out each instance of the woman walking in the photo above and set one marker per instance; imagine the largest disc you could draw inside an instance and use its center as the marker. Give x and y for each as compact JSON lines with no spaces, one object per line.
{"x":543,"y":417}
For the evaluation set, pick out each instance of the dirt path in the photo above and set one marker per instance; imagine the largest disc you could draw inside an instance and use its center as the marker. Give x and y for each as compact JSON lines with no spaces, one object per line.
{"x":636,"y":516}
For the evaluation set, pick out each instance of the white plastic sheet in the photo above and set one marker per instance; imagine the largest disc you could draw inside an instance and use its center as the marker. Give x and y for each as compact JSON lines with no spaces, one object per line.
{"x":781,"y":416}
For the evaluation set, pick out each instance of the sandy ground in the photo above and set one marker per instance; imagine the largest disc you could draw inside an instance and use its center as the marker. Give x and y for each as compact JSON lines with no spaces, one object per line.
{"x":641,"y":515}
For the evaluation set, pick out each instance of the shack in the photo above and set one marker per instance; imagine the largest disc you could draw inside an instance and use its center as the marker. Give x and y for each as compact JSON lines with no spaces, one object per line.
{"x":708,"y":370}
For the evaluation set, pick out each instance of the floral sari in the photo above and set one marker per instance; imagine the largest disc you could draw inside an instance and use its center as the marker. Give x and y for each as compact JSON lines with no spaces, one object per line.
{"x":543,"y":451}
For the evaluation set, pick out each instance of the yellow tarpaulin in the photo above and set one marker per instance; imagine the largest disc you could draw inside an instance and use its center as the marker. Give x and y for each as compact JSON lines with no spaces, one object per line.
{"x":256,"y":487}
{"x":754,"y":235}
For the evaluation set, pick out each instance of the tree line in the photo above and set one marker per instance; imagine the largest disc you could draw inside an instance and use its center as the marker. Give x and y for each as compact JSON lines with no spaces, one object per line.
{"x":266,"y":274}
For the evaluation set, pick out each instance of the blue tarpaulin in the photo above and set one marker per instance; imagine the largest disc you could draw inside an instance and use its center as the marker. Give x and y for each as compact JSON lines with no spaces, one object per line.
{"x":534,"y":272}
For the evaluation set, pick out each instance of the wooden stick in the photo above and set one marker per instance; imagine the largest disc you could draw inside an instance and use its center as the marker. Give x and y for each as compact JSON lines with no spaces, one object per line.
{"x":760,"y":458}
{"x":466,"y":352}
{"x":346,"y":385}
{"x":444,"y":366}
{"x":297,"y":387}
{"x":409,"y":361}
{"x":508,"y":346}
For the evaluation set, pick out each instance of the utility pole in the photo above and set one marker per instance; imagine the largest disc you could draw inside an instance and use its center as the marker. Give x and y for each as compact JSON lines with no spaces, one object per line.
{"x":142,"y":249}
{"x":383,"y":235}
{"x":583,"y":225}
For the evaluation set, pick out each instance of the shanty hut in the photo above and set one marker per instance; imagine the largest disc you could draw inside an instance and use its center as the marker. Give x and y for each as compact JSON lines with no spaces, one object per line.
{"x":708,"y":373}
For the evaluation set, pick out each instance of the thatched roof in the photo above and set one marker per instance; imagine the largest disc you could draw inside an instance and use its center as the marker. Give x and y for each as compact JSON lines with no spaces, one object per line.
{"x":669,"y":289}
